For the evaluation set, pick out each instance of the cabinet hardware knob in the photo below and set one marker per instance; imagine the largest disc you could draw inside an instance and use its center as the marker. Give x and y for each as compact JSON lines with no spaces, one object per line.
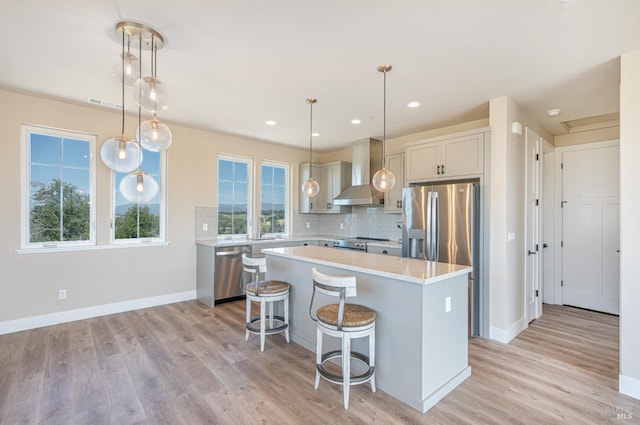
{"x":385,"y":252}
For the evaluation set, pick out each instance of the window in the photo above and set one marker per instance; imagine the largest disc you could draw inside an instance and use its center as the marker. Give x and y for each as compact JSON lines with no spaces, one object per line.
{"x":137,"y":221}
{"x":58,"y":187}
{"x":273,"y":198}
{"x":234,"y":208}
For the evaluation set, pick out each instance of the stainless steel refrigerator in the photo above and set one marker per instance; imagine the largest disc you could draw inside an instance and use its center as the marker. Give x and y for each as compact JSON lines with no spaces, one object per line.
{"x":440,"y":222}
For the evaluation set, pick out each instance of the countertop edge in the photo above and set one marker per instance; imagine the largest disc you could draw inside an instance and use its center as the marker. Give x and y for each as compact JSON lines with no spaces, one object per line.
{"x":279,"y":252}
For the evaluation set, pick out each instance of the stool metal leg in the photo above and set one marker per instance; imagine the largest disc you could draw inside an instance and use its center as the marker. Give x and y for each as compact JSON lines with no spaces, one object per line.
{"x":271,"y":315}
{"x":246,"y":335}
{"x":346,"y":367}
{"x":262,"y":323}
{"x":318,"y":357}
{"x":286,"y":318}
{"x":372,"y":360}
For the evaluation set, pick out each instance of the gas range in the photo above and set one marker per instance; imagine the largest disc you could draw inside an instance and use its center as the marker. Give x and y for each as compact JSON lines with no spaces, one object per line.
{"x":358,"y":243}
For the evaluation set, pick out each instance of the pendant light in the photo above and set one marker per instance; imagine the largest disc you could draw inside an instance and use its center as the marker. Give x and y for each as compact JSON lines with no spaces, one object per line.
{"x":149,"y":92}
{"x":139,"y":187}
{"x":153,"y":134}
{"x":120,"y":153}
{"x":310,"y":188}
{"x":384,"y":180}
{"x":127,"y":62}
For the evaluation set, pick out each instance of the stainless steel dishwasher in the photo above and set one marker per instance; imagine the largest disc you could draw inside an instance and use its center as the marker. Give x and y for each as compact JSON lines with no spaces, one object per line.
{"x":228,"y":273}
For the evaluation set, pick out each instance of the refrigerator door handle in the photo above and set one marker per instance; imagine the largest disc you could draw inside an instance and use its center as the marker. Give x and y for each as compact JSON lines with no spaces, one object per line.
{"x":428,"y":228}
{"x":435,"y":225}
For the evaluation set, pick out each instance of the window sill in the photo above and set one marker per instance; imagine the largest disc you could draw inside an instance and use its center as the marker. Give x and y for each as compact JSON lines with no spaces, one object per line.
{"x":89,"y":247}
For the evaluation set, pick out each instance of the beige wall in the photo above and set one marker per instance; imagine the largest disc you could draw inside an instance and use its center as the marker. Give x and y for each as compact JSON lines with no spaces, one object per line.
{"x":506,"y":215}
{"x":629,"y":224}
{"x":30,"y":282}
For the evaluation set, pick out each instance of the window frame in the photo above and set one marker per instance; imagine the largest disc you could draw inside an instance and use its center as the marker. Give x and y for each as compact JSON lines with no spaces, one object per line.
{"x":250,"y":193}
{"x":288,"y":196}
{"x":25,"y":191}
{"x":162,"y":192}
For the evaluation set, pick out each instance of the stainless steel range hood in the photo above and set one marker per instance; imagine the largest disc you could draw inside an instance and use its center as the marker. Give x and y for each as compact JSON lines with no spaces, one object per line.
{"x":366,"y":160}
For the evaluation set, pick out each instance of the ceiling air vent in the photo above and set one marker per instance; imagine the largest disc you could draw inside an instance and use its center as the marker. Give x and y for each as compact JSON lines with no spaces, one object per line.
{"x":104,"y":103}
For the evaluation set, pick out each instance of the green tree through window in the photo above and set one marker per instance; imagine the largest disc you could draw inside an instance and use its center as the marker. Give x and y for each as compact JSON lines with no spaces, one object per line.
{"x":51,"y":224}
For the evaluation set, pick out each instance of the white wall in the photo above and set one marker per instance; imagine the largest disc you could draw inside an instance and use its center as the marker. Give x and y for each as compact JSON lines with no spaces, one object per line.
{"x":506,"y":211}
{"x":30,"y":282}
{"x":629,"y":224}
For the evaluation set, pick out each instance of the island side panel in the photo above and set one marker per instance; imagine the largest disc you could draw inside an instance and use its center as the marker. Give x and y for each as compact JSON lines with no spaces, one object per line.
{"x":444,"y":338}
{"x":398,"y":305}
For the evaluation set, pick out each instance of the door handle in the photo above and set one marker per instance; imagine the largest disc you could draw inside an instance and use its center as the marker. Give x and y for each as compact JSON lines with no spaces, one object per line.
{"x":529,"y":252}
{"x":544,"y":245}
{"x":438,"y":170}
{"x":442,"y":168}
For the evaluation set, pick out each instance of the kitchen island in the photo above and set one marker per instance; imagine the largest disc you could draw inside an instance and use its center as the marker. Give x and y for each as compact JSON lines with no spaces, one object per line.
{"x":421,"y":306}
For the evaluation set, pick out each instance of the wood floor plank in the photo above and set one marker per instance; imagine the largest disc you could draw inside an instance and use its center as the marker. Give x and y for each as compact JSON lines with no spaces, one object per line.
{"x":188,"y":364}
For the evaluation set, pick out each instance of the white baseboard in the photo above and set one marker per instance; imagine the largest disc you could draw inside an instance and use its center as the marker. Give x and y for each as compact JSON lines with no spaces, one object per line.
{"x":506,"y":335}
{"x":89,"y":312}
{"x":629,"y":386}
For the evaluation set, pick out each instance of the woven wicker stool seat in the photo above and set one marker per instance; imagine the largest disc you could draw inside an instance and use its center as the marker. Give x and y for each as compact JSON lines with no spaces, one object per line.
{"x":345,"y":321}
{"x":354,"y":315}
{"x":265,"y":292}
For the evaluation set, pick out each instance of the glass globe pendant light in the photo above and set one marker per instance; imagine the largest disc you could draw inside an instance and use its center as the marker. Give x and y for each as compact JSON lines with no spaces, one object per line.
{"x":384,"y":180}
{"x":149,"y":92}
{"x":129,"y":62}
{"x":138,"y":187}
{"x":154,"y":135}
{"x":310,"y":187}
{"x":120,"y":153}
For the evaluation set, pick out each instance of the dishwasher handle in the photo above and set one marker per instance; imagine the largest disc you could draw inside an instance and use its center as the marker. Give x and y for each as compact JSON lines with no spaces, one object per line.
{"x":229,"y":253}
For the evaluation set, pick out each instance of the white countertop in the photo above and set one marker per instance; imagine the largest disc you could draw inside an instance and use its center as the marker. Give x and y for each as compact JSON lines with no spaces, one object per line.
{"x":399,"y":268}
{"x":250,"y":241}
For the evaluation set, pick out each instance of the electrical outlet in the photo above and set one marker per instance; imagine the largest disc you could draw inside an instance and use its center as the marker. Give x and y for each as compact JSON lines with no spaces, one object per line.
{"x":205,"y":227}
{"x":62,"y":294}
{"x":308,"y":225}
{"x":341,"y":226}
{"x":447,"y":304}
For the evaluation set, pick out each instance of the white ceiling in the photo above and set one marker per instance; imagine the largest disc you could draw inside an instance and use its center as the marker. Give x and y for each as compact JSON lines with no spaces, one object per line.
{"x":233,"y":64}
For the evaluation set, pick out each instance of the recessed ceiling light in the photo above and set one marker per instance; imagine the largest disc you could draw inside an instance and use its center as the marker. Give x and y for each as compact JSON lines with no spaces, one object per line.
{"x":413,"y":104}
{"x":315,"y":134}
{"x":355,"y":121}
{"x":270,"y":122}
{"x":553,"y":112}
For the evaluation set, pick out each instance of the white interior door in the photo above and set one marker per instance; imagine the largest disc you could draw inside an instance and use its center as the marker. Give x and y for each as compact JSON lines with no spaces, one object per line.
{"x":532,"y":234}
{"x":591,"y":229}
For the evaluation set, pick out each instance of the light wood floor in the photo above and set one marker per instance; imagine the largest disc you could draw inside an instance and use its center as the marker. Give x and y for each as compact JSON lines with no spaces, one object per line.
{"x":187,"y":364}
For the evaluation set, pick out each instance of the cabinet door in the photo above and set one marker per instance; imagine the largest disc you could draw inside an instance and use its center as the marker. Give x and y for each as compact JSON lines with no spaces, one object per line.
{"x":463,"y":156}
{"x":334,"y":186}
{"x":393,"y":198}
{"x":422,"y":161}
{"x":304,"y":205}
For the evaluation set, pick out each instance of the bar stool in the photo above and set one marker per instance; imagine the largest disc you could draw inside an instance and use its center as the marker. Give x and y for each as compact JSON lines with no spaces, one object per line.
{"x":345,"y":321}
{"x":265,"y":292}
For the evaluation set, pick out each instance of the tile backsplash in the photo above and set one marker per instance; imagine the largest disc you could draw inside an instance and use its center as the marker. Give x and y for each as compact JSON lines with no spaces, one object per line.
{"x":371,"y":222}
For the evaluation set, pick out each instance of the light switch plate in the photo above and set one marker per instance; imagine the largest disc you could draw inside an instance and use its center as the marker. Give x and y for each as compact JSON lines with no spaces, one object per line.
{"x":447,"y":304}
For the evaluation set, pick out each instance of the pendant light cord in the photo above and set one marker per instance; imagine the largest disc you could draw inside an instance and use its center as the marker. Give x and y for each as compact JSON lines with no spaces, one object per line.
{"x":310,"y":139}
{"x":122,"y":133}
{"x":384,"y":120}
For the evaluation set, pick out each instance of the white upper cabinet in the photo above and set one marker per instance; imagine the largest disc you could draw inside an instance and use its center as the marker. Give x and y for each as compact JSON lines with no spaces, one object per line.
{"x":393,"y":198}
{"x":445,"y":157}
